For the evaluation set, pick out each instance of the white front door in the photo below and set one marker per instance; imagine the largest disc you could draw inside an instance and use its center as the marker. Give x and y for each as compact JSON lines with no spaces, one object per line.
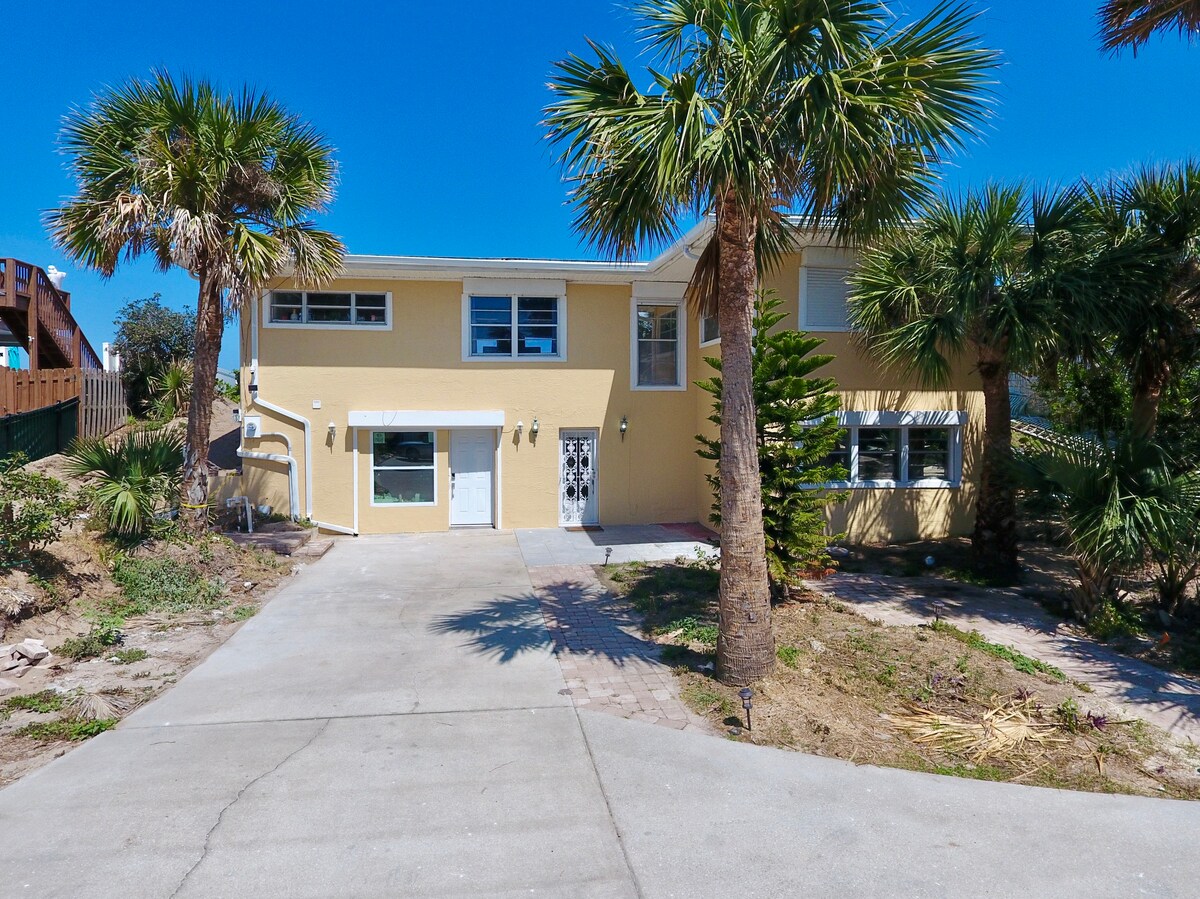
{"x":578,"y":501}
{"x":472,"y":460}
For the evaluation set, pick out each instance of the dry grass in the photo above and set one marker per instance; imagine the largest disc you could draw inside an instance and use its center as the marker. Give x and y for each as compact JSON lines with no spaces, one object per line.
{"x":920,"y":698}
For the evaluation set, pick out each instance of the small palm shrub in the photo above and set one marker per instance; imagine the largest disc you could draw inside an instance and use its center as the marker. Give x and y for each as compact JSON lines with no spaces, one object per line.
{"x":1121,"y":507}
{"x":171,"y":389}
{"x":135,"y":477}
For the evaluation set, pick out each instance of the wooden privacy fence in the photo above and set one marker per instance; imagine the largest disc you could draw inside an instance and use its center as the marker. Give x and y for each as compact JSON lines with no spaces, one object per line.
{"x":40,"y":433}
{"x":25,"y":391}
{"x":102,"y":407}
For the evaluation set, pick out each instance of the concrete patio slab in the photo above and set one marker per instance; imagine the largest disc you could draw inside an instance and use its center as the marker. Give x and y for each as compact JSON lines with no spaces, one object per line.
{"x":629,"y":543}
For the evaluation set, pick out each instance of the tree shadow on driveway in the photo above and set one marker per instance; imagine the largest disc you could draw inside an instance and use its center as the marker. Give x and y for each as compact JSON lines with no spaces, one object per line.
{"x":567,"y":616}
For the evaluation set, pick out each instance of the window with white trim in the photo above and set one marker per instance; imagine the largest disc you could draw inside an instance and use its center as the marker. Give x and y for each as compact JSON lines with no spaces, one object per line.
{"x":514,"y":327}
{"x":301,"y":307}
{"x":658,"y":359}
{"x":403,"y":471}
{"x":823,"y":294}
{"x":900,"y":449}
{"x":710,"y":329}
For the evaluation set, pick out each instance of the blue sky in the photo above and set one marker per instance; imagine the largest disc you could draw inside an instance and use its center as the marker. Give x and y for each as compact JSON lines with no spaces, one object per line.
{"x":435,"y":118}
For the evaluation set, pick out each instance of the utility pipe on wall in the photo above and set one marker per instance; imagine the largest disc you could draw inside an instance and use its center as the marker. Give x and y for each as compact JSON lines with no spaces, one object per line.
{"x":257,"y":400}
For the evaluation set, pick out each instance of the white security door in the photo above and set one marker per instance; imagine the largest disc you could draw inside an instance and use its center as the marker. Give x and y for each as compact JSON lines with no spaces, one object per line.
{"x":472,"y":460}
{"x":578,"y":500}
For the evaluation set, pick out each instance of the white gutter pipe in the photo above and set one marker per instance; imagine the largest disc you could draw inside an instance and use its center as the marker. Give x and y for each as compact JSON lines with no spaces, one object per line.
{"x":257,"y":400}
{"x":289,"y":460}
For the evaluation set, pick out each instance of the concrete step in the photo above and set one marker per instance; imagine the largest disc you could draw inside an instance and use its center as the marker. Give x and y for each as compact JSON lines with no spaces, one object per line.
{"x":283,"y":543}
{"x":313,"y":550}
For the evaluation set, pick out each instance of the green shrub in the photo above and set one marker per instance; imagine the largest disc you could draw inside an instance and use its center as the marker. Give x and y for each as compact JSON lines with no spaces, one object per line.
{"x":129,"y":656}
{"x":789,"y":655}
{"x":44,"y":702}
{"x":1114,"y":618}
{"x":135,"y":477}
{"x":162,"y":584}
{"x":73,"y":729}
{"x":34,"y":509}
{"x":693,"y":630}
{"x":94,"y":643}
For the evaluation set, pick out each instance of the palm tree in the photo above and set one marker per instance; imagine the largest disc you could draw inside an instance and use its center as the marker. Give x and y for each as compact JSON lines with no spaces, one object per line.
{"x":1130,"y":23}
{"x":221,"y":185}
{"x":996,"y":277}
{"x":1156,"y":325}
{"x":759,"y":108}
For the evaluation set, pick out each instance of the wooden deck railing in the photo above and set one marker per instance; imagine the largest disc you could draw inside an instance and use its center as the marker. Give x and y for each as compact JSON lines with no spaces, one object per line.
{"x":27,"y":290}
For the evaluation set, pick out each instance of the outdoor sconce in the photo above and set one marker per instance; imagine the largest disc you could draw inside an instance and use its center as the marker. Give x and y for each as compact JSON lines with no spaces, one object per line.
{"x":745,"y":694}
{"x":534,"y":428}
{"x":520,"y":427}
{"x":624,"y":426}
{"x":332,"y":430}
{"x":237,"y":415}
{"x":254,"y":386}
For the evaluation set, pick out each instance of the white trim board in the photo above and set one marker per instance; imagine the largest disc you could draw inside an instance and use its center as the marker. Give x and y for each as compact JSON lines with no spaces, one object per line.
{"x":415,"y":419}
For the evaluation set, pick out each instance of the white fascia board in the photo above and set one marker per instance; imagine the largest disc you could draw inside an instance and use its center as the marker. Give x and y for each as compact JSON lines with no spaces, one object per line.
{"x":932,"y":418}
{"x":412,"y":419}
{"x":540,"y":287}
{"x":659,"y":290}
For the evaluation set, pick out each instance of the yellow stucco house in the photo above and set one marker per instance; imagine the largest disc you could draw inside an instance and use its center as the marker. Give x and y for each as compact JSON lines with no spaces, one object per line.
{"x":421,"y":394}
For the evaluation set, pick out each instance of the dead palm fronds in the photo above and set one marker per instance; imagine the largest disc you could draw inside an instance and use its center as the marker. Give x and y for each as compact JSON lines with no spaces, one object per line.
{"x":100,"y":706}
{"x":1007,"y":728}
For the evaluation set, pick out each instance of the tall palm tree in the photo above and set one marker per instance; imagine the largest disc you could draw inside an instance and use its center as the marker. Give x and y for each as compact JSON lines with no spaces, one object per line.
{"x":221,"y":185}
{"x":1130,"y":23}
{"x":1156,"y":324}
{"x":757,"y":108}
{"x":995,"y":277}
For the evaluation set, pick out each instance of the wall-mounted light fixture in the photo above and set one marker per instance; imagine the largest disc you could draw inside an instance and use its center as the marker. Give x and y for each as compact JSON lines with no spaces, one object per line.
{"x":624,"y":426}
{"x":254,"y":387}
{"x":332,"y":429}
{"x":520,"y":427}
{"x":534,"y":428}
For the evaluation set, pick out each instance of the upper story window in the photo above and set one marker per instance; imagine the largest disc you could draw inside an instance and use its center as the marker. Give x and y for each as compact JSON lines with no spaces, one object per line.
{"x":514,"y":327}
{"x":296,"y":307}
{"x":823,"y":294}
{"x":657,"y":345}
{"x":900,"y":449}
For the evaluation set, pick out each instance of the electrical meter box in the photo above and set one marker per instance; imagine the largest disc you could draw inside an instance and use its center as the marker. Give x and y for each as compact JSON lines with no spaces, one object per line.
{"x":252,"y":425}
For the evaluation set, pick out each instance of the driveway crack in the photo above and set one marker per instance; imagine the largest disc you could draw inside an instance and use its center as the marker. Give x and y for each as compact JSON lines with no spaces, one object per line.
{"x":234,"y":801}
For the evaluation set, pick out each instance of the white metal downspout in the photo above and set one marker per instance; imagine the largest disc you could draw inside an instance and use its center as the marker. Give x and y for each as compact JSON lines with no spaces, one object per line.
{"x":293,"y":486}
{"x":257,"y":400}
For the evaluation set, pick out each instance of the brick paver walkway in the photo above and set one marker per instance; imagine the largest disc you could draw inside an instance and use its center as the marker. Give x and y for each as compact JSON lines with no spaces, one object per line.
{"x":608,"y":666}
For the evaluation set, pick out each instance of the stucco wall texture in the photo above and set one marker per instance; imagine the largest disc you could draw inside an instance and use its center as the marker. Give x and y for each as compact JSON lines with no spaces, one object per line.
{"x":649,"y":474}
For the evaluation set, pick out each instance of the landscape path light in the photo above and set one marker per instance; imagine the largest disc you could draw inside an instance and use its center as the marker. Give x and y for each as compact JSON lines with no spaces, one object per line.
{"x":746,"y":695}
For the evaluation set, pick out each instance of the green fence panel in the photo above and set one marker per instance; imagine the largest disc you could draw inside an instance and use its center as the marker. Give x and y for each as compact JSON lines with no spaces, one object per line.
{"x":40,"y":433}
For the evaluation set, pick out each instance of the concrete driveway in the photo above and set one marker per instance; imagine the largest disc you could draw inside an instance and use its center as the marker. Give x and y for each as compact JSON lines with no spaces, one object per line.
{"x":357,"y":738}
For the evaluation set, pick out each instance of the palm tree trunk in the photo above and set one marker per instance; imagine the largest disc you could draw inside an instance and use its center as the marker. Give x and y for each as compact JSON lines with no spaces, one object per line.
{"x":995,"y":538}
{"x":210,"y":324}
{"x":745,"y":641}
{"x":1147,"y":397}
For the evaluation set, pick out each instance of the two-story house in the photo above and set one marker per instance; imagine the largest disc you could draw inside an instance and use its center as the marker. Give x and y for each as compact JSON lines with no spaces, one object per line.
{"x":420,"y":394}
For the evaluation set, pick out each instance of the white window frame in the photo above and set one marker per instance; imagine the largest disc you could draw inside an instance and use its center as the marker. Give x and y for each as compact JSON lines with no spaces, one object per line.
{"x":659,"y":294}
{"x":513,"y":289}
{"x":375,"y":468}
{"x":351,"y":325}
{"x":903,"y":422}
{"x":807,"y":325}
{"x":700,"y":328}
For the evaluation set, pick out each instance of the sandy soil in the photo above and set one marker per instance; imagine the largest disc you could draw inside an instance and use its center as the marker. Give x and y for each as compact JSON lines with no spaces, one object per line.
{"x":845,"y":686}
